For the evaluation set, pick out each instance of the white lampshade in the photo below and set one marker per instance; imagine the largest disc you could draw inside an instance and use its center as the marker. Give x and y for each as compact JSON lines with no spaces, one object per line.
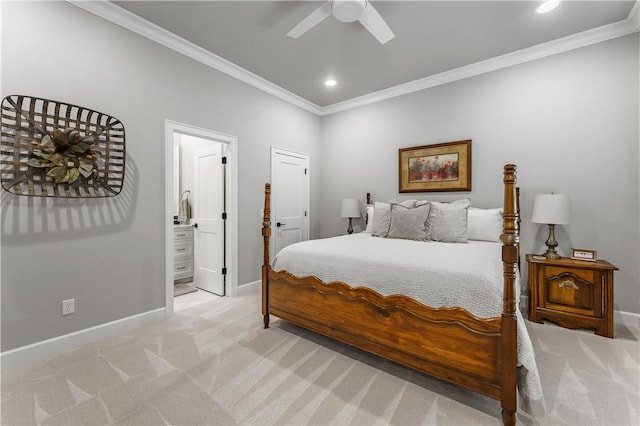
{"x":552,"y":209}
{"x":350,"y":208}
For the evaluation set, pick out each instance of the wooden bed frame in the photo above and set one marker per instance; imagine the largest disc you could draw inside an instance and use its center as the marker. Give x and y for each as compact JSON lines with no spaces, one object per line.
{"x":451,"y":344}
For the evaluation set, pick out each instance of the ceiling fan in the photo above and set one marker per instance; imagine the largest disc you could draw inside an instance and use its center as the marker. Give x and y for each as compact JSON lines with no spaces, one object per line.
{"x":347,"y":11}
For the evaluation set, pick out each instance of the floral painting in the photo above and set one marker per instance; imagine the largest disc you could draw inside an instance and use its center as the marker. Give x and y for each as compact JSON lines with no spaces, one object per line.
{"x":433,"y":168}
{"x":437,"y":167}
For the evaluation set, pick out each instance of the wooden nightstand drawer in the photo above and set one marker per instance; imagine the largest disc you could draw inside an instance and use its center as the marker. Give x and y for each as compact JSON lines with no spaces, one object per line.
{"x":572,"y":290}
{"x":572,"y":293}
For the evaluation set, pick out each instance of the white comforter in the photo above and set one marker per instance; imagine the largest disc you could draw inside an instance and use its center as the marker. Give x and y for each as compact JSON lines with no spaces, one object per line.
{"x":436,"y":274}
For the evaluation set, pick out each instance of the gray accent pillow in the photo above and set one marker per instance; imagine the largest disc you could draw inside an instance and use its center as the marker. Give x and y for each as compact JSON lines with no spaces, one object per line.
{"x":381,"y":219}
{"x":447,"y":222}
{"x":409,"y":223}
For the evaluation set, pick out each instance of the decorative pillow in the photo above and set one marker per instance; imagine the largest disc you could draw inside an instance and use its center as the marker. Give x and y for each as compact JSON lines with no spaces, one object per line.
{"x":485,"y":224}
{"x":381,"y":219}
{"x":409,"y":223}
{"x":406,"y":203}
{"x":447,"y":222}
{"x":369,"y":217}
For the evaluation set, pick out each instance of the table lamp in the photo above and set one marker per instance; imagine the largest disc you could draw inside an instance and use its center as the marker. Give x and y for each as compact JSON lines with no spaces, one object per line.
{"x":350,"y":209}
{"x":552,"y":209}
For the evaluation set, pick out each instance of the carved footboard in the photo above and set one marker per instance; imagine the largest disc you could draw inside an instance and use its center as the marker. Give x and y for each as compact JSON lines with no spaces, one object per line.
{"x":448,"y":343}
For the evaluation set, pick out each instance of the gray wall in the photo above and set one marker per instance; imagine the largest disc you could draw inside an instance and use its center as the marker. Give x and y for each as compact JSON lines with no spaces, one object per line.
{"x":570,"y":123}
{"x":108,"y":254}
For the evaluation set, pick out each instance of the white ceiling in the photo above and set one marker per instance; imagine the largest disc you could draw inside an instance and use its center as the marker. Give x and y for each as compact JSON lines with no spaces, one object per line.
{"x":431,"y":38}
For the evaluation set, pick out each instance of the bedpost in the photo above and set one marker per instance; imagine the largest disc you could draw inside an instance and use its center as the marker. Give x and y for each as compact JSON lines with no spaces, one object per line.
{"x":266,"y":233}
{"x":508,"y":346}
{"x":519,"y":220}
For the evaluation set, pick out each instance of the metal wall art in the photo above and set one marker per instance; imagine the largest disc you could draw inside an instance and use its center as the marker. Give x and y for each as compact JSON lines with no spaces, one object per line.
{"x":54,"y":149}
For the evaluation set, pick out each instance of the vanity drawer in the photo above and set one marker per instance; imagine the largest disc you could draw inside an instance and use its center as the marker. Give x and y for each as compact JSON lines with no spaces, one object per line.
{"x":183,"y":268}
{"x":182,"y":248}
{"x":183,"y":234}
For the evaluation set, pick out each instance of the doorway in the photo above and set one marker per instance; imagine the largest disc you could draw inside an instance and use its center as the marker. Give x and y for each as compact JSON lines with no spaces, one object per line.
{"x":212,"y":221}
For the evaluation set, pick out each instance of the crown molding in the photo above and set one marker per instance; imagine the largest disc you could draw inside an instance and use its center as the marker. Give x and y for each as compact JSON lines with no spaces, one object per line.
{"x":132,"y":22}
{"x":634,"y":16}
{"x":607,"y":32}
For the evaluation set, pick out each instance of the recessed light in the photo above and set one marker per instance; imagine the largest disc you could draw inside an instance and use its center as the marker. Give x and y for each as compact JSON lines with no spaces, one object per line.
{"x":548,"y":6}
{"x":330,"y":82}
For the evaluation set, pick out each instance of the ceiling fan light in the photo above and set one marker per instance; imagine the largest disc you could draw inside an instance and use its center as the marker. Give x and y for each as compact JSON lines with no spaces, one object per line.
{"x":548,"y":6}
{"x":348,"y":10}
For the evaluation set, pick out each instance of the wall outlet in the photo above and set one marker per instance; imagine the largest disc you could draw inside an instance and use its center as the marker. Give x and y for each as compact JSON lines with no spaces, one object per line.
{"x":68,"y":306}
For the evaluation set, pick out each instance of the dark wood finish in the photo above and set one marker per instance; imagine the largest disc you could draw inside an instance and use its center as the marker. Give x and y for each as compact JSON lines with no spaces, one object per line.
{"x":266,"y":267}
{"x":448,"y":343}
{"x":572,"y":293}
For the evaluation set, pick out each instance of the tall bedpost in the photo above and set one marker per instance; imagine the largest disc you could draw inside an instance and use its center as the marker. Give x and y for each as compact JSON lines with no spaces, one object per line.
{"x":266,"y":233}
{"x":508,"y":346}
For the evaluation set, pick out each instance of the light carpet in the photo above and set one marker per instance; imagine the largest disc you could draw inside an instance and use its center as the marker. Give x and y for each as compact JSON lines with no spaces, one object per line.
{"x":214,"y":364}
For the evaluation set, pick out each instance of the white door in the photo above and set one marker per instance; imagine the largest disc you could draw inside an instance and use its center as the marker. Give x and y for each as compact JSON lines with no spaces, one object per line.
{"x":208,"y":208}
{"x":289,"y":198}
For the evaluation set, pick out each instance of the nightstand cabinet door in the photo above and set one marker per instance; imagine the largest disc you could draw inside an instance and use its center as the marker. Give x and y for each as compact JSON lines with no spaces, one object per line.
{"x":572,"y":293}
{"x":572,"y":290}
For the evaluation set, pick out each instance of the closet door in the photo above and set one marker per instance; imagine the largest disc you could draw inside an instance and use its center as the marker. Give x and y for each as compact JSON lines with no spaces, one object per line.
{"x":289,"y":198}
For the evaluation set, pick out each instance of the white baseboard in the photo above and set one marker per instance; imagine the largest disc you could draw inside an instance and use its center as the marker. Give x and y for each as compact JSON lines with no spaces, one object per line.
{"x":17,"y":357}
{"x":249,"y":288}
{"x":629,"y":319}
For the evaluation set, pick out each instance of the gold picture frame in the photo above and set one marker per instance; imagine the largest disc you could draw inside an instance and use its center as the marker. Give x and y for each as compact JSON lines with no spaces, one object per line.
{"x":438,"y":167}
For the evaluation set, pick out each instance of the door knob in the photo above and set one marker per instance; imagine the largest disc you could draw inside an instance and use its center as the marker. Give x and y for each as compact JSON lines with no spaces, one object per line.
{"x":278,"y":224}
{"x":195,"y":225}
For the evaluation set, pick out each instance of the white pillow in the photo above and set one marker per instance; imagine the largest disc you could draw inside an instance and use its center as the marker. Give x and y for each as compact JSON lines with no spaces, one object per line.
{"x":485,"y":224}
{"x":381,"y":219}
{"x":369,"y":217}
{"x":447,"y":222}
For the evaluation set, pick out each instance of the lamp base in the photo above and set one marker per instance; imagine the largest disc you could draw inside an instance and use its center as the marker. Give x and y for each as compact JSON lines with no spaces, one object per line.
{"x":350,"y":228}
{"x":551,"y":244}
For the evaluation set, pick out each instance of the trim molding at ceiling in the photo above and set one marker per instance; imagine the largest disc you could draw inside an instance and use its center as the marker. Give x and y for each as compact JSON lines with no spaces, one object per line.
{"x":132,"y":22}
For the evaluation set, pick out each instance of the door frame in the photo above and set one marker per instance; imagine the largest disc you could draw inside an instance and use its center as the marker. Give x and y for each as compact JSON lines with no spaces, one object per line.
{"x":274,"y":151}
{"x":231,"y":193}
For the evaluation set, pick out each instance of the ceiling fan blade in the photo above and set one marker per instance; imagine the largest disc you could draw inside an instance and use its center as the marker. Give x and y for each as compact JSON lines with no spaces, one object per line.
{"x":373,"y":22}
{"x":311,"y":21}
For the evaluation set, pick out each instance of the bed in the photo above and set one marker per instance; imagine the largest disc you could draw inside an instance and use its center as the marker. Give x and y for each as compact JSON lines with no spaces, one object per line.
{"x":483,"y":347}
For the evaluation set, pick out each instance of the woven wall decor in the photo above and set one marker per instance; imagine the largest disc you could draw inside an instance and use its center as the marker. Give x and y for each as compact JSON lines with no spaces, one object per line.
{"x":54,"y":149}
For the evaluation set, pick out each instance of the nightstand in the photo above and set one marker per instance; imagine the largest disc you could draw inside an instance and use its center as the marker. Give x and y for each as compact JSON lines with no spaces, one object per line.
{"x":572,"y":293}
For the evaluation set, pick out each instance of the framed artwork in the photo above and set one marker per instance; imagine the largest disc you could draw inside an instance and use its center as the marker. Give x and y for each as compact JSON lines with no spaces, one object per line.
{"x":437,"y":167}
